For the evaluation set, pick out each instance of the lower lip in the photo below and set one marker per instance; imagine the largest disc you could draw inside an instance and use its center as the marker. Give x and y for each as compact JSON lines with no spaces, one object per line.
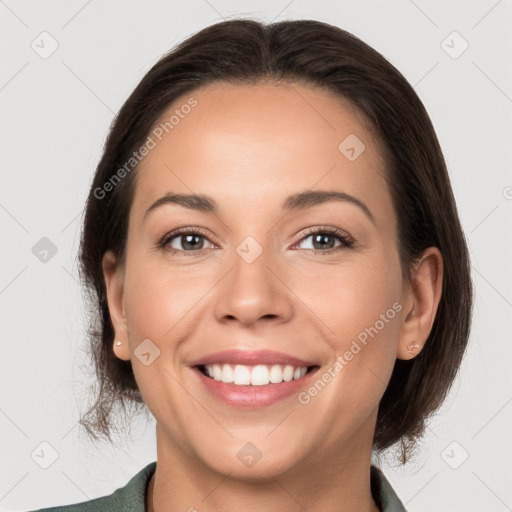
{"x":253,"y":396}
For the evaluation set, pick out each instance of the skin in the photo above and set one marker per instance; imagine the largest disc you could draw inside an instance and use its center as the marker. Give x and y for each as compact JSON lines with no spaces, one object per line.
{"x":249,"y":148}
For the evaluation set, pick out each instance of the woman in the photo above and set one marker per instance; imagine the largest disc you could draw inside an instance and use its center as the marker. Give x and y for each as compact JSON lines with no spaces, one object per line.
{"x":278,"y":270}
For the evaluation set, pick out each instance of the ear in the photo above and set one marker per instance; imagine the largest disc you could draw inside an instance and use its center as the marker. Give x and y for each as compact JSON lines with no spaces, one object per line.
{"x":421,"y":304}
{"x":114,"y":281}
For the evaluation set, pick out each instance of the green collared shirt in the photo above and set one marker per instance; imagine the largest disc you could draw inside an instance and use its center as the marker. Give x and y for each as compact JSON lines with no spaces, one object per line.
{"x":132,"y":497}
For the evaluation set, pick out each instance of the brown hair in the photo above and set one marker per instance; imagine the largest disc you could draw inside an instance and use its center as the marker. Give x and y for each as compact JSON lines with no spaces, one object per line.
{"x":245,"y":51}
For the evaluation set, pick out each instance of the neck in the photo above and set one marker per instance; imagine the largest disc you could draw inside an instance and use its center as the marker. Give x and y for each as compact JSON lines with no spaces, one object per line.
{"x":338,"y":481}
{"x":150,"y":507}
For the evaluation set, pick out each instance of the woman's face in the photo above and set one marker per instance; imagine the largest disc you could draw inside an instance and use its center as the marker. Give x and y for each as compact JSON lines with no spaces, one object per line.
{"x":315,"y":280}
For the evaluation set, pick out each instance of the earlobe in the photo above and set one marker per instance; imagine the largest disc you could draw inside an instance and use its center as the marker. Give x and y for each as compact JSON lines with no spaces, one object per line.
{"x":424,"y":295}
{"x":121,"y":350}
{"x":114,"y":283}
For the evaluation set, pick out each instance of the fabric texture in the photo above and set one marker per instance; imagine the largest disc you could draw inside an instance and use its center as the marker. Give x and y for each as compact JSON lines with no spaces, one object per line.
{"x":132,"y":497}
{"x":383,"y":494}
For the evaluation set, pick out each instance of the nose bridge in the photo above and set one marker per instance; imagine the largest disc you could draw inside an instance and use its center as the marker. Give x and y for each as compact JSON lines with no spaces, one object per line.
{"x":251,"y":289}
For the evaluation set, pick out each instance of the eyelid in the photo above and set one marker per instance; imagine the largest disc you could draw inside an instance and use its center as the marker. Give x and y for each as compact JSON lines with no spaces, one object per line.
{"x":347,"y":241}
{"x":164,"y":241}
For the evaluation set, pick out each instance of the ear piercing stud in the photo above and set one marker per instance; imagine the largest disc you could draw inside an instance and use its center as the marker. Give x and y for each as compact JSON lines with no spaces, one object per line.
{"x":413,"y":346}
{"x":119,"y":342}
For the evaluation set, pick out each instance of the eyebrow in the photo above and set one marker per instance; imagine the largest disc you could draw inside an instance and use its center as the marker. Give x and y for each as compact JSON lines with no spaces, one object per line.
{"x":299,"y":201}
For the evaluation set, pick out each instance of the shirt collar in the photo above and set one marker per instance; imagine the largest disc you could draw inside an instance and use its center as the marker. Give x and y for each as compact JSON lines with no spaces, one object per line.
{"x":382,"y":492}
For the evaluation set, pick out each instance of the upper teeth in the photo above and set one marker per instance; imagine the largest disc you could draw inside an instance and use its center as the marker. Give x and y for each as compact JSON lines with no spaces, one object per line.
{"x":258,"y":375}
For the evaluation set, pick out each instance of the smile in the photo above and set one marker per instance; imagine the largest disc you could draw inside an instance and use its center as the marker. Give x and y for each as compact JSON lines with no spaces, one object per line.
{"x":252,"y":387}
{"x":254,"y":375}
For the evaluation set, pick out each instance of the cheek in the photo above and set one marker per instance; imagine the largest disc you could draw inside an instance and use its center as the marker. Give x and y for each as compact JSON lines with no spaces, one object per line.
{"x":351,"y":296}
{"x":368,"y":322}
{"x":148,"y":303}
{"x":358,"y":303}
{"x":362,"y":310}
{"x":156,"y":298}
{"x":361,"y":306}
{"x":154,"y":307}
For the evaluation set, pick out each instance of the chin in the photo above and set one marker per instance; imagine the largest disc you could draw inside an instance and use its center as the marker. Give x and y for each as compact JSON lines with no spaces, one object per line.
{"x":250,"y":461}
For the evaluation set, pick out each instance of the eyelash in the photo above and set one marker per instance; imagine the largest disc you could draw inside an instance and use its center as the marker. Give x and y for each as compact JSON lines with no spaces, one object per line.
{"x":347,"y":242}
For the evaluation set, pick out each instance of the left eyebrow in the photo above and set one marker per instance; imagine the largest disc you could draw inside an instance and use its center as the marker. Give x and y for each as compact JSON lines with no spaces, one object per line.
{"x":299,"y":201}
{"x":310,"y":198}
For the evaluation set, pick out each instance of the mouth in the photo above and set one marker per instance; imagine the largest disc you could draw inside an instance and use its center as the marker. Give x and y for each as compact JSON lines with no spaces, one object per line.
{"x":252,"y":378}
{"x":253,"y":387}
{"x":254,"y":375}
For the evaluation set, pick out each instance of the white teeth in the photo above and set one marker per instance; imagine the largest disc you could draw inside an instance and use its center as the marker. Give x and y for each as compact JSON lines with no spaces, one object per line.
{"x":241,"y":375}
{"x":217,"y":372}
{"x":258,"y":375}
{"x":288,"y":373}
{"x":227,"y":373}
{"x":276,"y":374}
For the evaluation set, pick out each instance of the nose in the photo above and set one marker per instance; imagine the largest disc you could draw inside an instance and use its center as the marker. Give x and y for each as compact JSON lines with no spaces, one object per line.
{"x":254,"y":289}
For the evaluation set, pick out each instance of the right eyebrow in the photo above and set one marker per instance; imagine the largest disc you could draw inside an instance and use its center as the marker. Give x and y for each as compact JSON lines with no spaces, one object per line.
{"x":193,"y":201}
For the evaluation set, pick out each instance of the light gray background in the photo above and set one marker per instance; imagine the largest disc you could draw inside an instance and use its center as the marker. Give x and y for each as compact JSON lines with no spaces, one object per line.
{"x":55,"y":116}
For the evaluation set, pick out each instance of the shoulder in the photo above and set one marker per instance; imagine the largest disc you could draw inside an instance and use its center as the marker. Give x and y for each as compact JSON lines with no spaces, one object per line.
{"x":130,"y":498}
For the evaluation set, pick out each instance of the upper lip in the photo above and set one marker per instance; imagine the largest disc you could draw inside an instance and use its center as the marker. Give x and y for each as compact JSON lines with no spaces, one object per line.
{"x":251,"y":357}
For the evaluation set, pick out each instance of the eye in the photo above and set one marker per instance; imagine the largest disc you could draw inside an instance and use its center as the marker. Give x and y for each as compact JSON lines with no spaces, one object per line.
{"x":189,"y":240}
{"x":324,"y":238}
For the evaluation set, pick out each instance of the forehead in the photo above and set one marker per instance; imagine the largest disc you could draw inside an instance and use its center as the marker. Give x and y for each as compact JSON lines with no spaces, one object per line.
{"x":248,"y":144}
